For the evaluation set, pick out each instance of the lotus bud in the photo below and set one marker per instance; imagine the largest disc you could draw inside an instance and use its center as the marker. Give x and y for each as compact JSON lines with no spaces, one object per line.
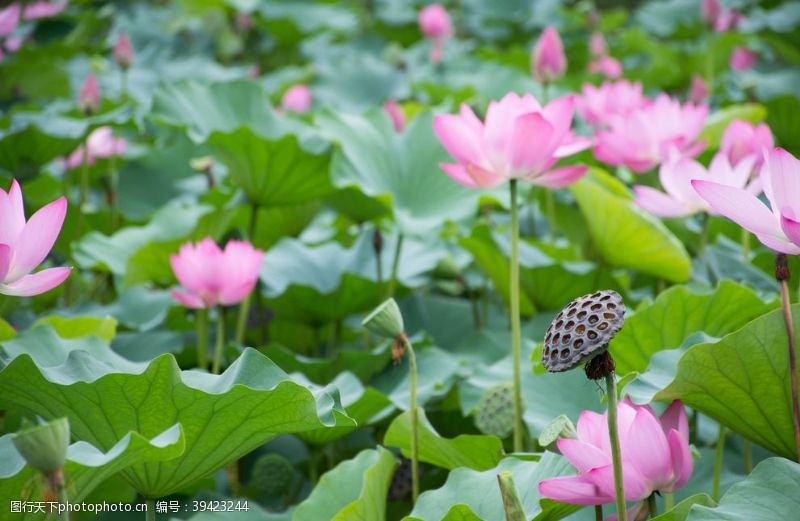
{"x":44,"y":446}
{"x":698,"y":93}
{"x":549,"y":61}
{"x":89,"y":97}
{"x":396,"y":114}
{"x":123,"y":51}
{"x":742,"y":59}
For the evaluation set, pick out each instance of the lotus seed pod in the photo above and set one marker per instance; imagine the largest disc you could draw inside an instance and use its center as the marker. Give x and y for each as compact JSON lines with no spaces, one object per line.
{"x":385,"y":320}
{"x":401,"y":480}
{"x":582,"y":330}
{"x":495,"y":412}
{"x":44,"y":446}
{"x":272,"y":475}
{"x":560,"y":427}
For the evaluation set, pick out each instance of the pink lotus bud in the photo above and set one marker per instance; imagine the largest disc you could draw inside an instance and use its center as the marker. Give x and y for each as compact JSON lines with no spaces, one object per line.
{"x":89,"y":97}
{"x":123,"y":51}
{"x":434,"y":22}
{"x":297,"y":99}
{"x":698,"y":93}
{"x":549,"y":60}
{"x":742,"y":59}
{"x":609,"y":67}
{"x":597,"y":45}
{"x":9,"y":18}
{"x":710,"y":10}
{"x":396,"y":114}
{"x":727,"y":21}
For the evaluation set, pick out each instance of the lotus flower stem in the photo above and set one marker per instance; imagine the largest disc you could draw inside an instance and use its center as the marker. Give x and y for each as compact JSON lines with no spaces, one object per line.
{"x":747,"y":456}
{"x":516,"y":335}
{"x":63,"y":499}
{"x":598,"y":512}
{"x":220,"y":341}
{"x":782,"y":275}
{"x":123,"y":88}
{"x":150,"y":511}
{"x":745,"y":245}
{"x":113,"y":202}
{"x":652,"y":507}
{"x":395,"y":266}
{"x":412,"y":369}
{"x":244,"y":307}
{"x":669,"y":501}
{"x":616,"y":453}
{"x":511,"y":502}
{"x":550,"y":204}
{"x":201,"y":321}
{"x":719,"y":452}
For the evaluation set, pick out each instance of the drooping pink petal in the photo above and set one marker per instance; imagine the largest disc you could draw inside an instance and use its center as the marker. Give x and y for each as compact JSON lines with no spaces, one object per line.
{"x":560,"y":177}
{"x":658,"y":203}
{"x":681,"y":457}
{"x":674,"y":418}
{"x":459,"y":174}
{"x":739,"y":206}
{"x":573,"y":489}
{"x":582,"y":455}
{"x":187,"y":299}
{"x":35,"y":284}
{"x":37,"y":238}
{"x":780,"y":245}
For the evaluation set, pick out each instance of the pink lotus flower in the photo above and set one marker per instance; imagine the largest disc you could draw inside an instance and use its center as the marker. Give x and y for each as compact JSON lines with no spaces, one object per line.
{"x":89,"y":96}
{"x":24,"y":245}
{"x":597,"y":45}
{"x":681,"y":198}
{"x":36,"y":10}
{"x":609,"y":67}
{"x":9,"y":18}
{"x":297,"y":99}
{"x":599,"y":105}
{"x":396,"y":114}
{"x":718,"y":17}
{"x":777,"y":227}
{"x":645,"y":137}
{"x":655,"y":456}
{"x":123,"y":51}
{"x":548,"y":61}
{"x":434,"y":22}
{"x":101,"y":143}
{"x":519,"y":140}
{"x":698,"y":92}
{"x":212,"y":276}
{"x":742,"y":139}
{"x":742,"y":59}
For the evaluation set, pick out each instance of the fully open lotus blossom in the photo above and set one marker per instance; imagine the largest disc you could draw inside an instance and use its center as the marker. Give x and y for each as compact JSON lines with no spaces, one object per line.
{"x":648,"y":136}
{"x":24,"y":245}
{"x":776,"y":226}
{"x":123,"y":51}
{"x":599,"y":105}
{"x":396,"y":114}
{"x":518,"y":140}
{"x":297,"y":99}
{"x":609,"y":67}
{"x":100,"y":143}
{"x":655,"y":456}
{"x":89,"y":96}
{"x":548,"y":61}
{"x":742,"y":139}
{"x":742,"y":59}
{"x":681,"y":198}
{"x":698,"y":92}
{"x":212,"y":276}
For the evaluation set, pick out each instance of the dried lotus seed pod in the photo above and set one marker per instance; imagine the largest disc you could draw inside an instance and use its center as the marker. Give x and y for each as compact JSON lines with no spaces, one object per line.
{"x":582,"y":330}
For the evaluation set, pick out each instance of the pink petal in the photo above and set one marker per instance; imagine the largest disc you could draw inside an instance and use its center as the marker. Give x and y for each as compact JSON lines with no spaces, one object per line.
{"x":658,"y":203}
{"x":581,"y":455}
{"x":458,"y":138}
{"x":791,"y":228}
{"x":681,"y":459}
{"x":188,"y":300}
{"x":37,"y":238}
{"x":593,"y":429}
{"x":676,"y":177}
{"x":528,"y":146}
{"x":784,"y":177}
{"x":674,"y":417}
{"x":560,"y":177}
{"x":483,"y":178}
{"x":573,"y":489}
{"x":647,"y":448}
{"x":635,"y":485}
{"x":12,"y":214}
{"x":559,"y":114}
{"x":37,"y":283}
{"x":459,"y":174}
{"x":573,"y":144}
{"x":779,"y":245}
{"x":739,"y":206}
{"x":5,"y":260}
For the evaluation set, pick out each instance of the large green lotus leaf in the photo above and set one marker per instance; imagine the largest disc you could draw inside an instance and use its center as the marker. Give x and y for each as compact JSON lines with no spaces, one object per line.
{"x":378,"y":160}
{"x":357,"y":81}
{"x":437,"y":372}
{"x":364,"y":364}
{"x":723,"y":260}
{"x":785,"y":127}
{"x":98,"y":251}
{"x":86,"y":467}
{"x":309,"y":17}
{"x":137,"y":308}
{"x":354,"y":490}
{"x":272,"y":172}
{"x":742,"y":381}
{"x":223,"y":417}
{"x":719,"y":121}
{"x":323,"y":283}
{"x":681,"y":510}
{"x":77,"y":327}
{"x":474,"y":495}
{"x":626,"y":236}
{"x":769,"y":493}
{"x":473,"y":451}
{"x":678,"y":313}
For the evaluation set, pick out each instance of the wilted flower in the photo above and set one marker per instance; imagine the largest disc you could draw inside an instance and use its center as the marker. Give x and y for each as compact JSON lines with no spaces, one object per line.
{"x":609,"y":67}
{"x":645,"y":137}
{"x":549,"y":61}
{"x":123,"y":51}
{"x":776,"y":226}
{"x":599,"y":105}
{"x":518,"y":140}
{"x":297,"y":99}
{"x":655,"y":456}
{"x":676,"y":178}
{"x":24,"y":245}
{"x":212,"y":276}
{"x":100,"y":143}
{"x":396,"y":114}
{"x":698,"y":92}
{"x":742,"y":59}
{"x":742,"y":139}
{"x":89,"y":96}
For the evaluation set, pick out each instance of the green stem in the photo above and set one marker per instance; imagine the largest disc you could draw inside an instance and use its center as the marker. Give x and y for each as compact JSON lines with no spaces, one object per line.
{"x":201,"y":321}
{"x":598,"y":512}
{"x":551,"y":214}
{"x":516,"y":334}
{"x":719,"y":451}
{"x":124,"y":85}
{"x":745,"y":245}
{"x":63,"y":499}
{"x":412,"y":368}
{"x":395,"y":265}
{"x":710,"y":73}
{"x":150,"y":513}
{"x":669,"y":501}
{"x":511,"y":502}
{"x":84,"y":187}
{"x":789,"y":323}
{"x":244,"y":306}
{"x":703,"y":243}
{"x":747,"y":456}
{"x":652,"y":508}
{"x":220,"y":341}
{"x":616,"y":454}
{"x":114,"y":188}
